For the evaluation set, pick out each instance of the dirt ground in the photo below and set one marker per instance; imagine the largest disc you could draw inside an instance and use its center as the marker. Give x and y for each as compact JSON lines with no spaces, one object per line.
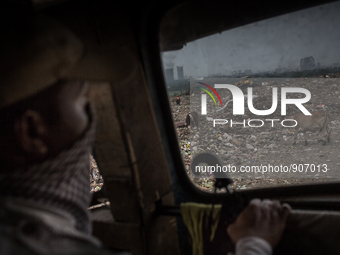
{"x":246,"y":146}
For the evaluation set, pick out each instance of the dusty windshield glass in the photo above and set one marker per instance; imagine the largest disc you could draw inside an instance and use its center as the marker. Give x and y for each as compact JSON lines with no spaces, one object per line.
{"x":263,"y":99}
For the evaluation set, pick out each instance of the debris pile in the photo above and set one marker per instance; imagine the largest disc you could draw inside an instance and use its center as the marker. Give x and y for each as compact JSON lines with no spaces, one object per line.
{"x":271,"y":143}
{"x":96,"y":179}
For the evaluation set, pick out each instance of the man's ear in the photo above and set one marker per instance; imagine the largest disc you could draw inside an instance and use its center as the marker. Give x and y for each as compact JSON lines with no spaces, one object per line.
{"x":30,"y":130}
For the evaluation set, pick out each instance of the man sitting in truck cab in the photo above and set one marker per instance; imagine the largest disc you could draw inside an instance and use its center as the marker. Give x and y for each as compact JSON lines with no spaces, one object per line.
{"x":46,"y":135}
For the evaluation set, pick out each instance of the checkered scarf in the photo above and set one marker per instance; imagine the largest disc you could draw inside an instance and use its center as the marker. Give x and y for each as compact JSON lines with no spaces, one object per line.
{"x":61,"y":182}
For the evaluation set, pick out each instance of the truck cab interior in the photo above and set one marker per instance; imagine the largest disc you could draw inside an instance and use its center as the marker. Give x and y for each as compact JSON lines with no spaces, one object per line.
{"x":137,"y":147}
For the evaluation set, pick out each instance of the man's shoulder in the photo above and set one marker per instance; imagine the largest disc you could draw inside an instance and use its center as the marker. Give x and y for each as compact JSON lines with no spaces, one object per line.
{"x":29,"y":228}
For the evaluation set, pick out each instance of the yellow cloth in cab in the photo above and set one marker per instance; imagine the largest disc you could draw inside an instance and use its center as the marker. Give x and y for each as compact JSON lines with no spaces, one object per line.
{"x":194,"y":216}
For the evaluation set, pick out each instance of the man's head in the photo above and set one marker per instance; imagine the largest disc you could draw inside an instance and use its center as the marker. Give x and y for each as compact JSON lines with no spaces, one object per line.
{"x":44,"y":124}
{"x":40,"y":61}
{"x":41,"y":110}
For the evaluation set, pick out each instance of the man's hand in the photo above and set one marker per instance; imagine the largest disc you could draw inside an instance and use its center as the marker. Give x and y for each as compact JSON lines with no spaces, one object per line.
{"x":264,"y":219}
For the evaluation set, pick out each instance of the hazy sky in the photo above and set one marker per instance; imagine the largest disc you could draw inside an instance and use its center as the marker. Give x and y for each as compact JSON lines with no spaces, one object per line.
{"x":263,"y":46}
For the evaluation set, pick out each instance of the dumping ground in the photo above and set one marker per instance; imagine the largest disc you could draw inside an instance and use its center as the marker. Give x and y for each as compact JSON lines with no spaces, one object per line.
{"x":244,"y":146}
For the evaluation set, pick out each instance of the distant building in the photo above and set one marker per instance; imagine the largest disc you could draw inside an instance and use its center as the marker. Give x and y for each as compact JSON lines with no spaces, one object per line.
{"x":180,"y":73}
{"x":247,"y":72}
{"x":307,"y":63}
{"x":169,"y":75}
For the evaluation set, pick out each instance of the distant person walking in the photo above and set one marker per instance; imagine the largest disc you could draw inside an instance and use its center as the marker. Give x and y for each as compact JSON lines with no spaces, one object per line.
{"x":178,"y":100}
